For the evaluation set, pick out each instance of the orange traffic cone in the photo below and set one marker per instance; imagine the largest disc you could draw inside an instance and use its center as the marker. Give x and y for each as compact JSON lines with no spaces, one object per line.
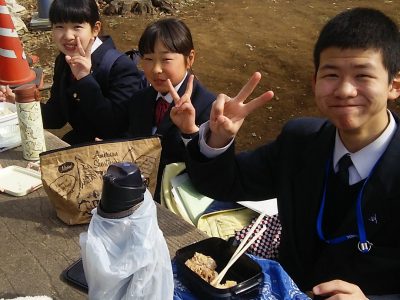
{"x":14,"y":68}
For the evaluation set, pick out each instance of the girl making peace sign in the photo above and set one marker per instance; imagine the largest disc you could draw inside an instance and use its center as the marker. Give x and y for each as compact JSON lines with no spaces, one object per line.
{"x":167,"y":53}
{"x":93,"y":107}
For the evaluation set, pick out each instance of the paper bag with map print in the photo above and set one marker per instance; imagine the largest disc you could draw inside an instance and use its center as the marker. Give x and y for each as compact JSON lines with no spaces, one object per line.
{"x":73,"y":177}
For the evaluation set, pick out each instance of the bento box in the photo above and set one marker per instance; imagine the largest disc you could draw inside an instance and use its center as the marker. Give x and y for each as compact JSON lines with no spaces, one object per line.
{"x":246,"y":272}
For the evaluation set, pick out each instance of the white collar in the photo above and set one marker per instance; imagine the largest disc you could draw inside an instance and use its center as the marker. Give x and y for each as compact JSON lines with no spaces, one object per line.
{"x":97,"y":43}
{"x":365,"y":159}
{"x":168,"y":96}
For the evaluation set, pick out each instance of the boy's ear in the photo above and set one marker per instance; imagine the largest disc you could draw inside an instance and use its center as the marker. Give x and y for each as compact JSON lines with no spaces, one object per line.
{"x":96,"y":28}
{"x":394,"y":91}
{"x":190,"y":59}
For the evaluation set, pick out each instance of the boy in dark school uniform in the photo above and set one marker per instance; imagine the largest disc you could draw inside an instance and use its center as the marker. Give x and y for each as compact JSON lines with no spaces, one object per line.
{"x":337,"y":179}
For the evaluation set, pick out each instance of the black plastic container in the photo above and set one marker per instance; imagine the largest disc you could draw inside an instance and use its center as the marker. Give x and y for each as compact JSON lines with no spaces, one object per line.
{"x":76,"y":275}
{"x":246,"y":272}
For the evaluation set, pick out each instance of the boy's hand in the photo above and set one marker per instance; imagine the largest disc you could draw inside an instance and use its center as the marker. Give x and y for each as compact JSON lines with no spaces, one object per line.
{"x":81,"y":64}
{"x":183,"y":113}
{"x":6,"y":94}
{"x":339,"y":289}
{"x":228,"y":114}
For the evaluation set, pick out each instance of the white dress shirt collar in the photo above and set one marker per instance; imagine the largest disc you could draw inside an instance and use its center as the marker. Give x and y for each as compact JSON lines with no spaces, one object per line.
{"x":97,"y":43}
{"x":168,"y":96}
{"x":364,"y":159}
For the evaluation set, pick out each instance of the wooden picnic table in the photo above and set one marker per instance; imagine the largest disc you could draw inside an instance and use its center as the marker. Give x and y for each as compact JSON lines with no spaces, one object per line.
{"x":36,"y":246}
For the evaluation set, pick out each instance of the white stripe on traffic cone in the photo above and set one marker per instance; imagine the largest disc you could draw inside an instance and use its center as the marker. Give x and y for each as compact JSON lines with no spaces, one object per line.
{"x":7,"y":53}
{"x":8,"y":32}
{"x":4,"y":10}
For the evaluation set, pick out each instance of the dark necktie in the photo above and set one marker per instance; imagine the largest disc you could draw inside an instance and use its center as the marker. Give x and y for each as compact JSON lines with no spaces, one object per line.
{"x":72,"y":77}
{"x":161,"y":107}
{"x":344,"y":163}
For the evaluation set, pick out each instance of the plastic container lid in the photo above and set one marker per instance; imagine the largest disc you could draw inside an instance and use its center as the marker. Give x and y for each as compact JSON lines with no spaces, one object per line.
{"x":18,"y":181}
{"x":123,"y":188}
{"x":9,"y":136}
{"x":8,"y":111}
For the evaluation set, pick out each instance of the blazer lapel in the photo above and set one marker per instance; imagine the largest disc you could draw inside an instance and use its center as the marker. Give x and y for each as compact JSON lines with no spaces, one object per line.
{"x":309,"y":182}
{"x":381,"y":193}
{"x":141,"y":112}
{"x":310,"y":176}
{"x":99,"y":53}
{"x":61,"y":83}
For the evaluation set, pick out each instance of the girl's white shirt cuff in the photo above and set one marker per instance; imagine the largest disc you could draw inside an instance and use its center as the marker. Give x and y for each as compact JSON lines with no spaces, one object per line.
{"x":206,"y":150}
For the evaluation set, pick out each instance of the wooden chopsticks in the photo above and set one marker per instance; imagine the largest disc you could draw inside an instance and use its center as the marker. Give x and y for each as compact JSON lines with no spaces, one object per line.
{"x":243,"y":246}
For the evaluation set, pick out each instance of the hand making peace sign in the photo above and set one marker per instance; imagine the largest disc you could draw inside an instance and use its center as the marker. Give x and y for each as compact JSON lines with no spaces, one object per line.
{"x":183,"y":114}
{"x":228,"y":114}
{"x":81,"y":64}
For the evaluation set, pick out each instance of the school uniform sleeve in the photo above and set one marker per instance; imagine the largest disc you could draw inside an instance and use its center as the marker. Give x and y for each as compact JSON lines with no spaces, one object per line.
{"x":52,"y":114}
{"x":250,"y":175}
{"x":106,"y":110}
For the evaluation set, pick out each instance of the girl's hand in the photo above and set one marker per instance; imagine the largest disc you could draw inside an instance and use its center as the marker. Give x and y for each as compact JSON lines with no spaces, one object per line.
{"x":183,"y":114}
{"x":339,"y":289}
{"x":81,"y":64}
{"x":6,"y":94}
{"x":228,"y":114}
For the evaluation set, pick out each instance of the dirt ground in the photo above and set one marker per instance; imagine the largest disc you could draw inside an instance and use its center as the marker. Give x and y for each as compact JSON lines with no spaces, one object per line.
{"x":234,"y":38}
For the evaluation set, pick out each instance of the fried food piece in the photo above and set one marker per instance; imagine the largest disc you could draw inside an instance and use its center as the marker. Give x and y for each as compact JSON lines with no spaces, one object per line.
{"x":205,"y":266}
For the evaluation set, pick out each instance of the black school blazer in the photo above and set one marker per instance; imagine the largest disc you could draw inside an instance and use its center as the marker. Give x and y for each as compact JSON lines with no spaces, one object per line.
{"x":292,"y":169}
{"x":89,"y":109}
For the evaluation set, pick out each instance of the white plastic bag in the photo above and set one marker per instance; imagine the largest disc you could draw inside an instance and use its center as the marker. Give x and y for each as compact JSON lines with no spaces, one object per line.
{"x":127,"y":258}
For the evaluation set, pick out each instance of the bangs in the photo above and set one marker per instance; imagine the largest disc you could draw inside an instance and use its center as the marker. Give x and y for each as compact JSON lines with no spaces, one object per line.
{"x":172,"y":33}
{"x":146,"y":45}
{"x":73,"y":11}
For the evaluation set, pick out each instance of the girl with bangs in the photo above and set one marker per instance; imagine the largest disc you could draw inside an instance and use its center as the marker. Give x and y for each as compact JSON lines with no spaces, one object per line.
{"x":93,"y":108}
{"x":83,"y":93}
{"x":167,"y":53}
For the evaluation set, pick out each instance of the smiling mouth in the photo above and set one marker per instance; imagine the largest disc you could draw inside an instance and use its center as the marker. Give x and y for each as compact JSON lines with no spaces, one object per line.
{"x":345,"y":106}
{"x":159,"y":81}
{"x":348,"y":109}
{"x":69,"y":47}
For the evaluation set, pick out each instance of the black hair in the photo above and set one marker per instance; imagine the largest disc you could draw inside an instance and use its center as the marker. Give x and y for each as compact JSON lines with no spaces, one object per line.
{"x":362,"y":28}
{"x":75,"y":11}
{"x":173,"y":33}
